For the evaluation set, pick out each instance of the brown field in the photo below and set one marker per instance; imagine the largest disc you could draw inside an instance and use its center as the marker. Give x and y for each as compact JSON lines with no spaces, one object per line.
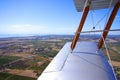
{"x":116,"y":63}
{"x":28,"y":73}
{"x":21,"y":55}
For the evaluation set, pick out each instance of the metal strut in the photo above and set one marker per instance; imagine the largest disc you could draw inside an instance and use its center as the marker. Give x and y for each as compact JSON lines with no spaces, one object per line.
{"x":98,"y":31}
{"x":108,"y":25}
{"x":75,"y":39}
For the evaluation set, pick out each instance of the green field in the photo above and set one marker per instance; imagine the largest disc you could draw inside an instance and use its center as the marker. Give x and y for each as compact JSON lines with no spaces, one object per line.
{"x":41,"y":68}
{"x":47,"y":54}
{"x":4,"y":76}
{"x":6,"y":59}
{"x":113,"y":53}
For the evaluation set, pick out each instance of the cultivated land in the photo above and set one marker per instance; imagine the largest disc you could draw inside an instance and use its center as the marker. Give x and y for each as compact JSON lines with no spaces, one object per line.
{"x":25,"y":58}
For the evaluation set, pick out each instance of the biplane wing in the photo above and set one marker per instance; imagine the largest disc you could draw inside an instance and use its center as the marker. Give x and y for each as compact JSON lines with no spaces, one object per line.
{"x":83,"y":60}
{"x":95,"y":4}
{"x":83,"y":63}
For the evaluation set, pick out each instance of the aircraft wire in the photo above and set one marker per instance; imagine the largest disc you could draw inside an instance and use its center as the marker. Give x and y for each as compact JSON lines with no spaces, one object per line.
{"x":107,"y":51}
{"x":103,"y":38}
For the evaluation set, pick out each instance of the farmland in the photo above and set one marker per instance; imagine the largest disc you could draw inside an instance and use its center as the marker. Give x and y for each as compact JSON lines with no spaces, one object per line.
{"x":4,"y":76}
{"x":26,"y":58}
{"x":6,"y":59}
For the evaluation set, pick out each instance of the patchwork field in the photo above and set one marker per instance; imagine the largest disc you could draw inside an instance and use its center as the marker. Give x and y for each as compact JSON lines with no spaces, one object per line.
{"x":25,"y":59}
{"x":7,"y":76}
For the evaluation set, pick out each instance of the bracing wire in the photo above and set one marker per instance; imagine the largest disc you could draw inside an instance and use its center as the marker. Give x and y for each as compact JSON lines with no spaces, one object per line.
{"x":93,"y":23}
{"x":108,"y":54}
{"x":103,"y":38}
{"x":107,"y":51}
{"x":108,"y":12}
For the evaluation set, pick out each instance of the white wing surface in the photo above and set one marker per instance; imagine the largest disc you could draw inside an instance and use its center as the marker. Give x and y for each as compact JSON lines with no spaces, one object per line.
{"x":83,"y":63}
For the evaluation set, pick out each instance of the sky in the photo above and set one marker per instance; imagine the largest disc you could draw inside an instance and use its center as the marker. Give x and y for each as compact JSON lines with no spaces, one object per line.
{"x":46,"y":17}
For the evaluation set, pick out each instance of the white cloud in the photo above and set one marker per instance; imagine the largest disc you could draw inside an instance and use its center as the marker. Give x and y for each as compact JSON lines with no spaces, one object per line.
{"x":36,"y":29}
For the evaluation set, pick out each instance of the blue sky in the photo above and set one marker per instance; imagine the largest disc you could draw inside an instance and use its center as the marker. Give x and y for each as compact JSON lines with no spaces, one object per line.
{"x":44,"y":17}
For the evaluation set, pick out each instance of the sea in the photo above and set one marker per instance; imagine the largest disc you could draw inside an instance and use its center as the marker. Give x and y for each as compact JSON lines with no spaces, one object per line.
{"x":15,"y":35}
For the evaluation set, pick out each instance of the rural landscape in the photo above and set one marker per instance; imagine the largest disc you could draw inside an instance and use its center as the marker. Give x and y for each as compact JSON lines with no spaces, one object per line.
{"x":24,"y":58}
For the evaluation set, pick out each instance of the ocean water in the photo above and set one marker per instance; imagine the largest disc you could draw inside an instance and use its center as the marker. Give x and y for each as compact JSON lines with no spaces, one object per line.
{"x":14,"y":35}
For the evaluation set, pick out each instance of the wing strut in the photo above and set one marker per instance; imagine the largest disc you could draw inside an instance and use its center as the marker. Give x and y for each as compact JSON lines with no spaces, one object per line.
{"x":108,"y":25}
{"x":85,"y":13}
